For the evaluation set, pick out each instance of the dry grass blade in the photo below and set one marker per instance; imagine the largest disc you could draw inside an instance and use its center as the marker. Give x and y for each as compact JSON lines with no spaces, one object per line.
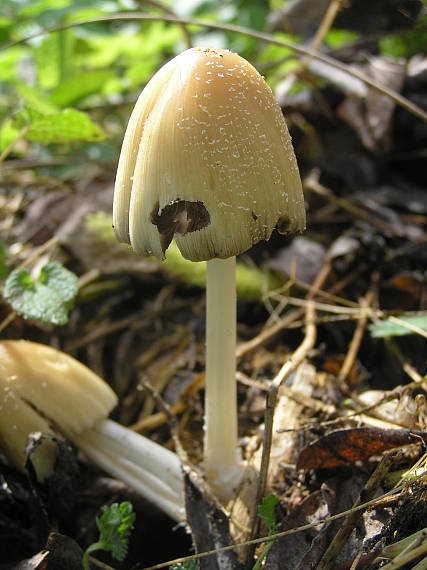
{"x":356,"y":341}
{"x":411,"y":555}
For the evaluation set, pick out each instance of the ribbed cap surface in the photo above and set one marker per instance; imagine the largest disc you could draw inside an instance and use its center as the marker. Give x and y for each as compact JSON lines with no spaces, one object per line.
{"x":207,"y":159}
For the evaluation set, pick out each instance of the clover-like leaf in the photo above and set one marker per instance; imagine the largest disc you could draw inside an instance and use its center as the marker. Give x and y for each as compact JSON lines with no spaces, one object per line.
{"x":48,"y":299}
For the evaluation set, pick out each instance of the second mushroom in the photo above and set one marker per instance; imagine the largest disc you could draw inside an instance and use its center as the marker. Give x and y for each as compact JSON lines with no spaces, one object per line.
{"x":207,"y":159}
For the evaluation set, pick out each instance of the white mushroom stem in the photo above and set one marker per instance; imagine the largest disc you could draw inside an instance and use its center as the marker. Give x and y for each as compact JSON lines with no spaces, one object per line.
{"x":155,"y":459}
{"x":221,"y":460}
{"x":147,"y":467}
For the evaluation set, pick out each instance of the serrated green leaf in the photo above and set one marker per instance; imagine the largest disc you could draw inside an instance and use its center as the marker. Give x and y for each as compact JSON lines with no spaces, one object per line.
{"x":266,"y":511}
{"x":64,"y":127}
{"x":390,"y":327}
{"x":115,"y":526}
{"x":48,"y":300}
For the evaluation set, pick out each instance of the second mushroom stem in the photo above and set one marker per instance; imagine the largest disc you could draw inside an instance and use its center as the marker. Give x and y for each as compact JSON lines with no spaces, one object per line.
{"x":221,"y":461}
{"x":149,"y":468}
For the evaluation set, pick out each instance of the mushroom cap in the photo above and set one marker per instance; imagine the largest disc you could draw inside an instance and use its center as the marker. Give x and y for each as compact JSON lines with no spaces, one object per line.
{"x":17,"y":420}
{"x":56,"y":385}
{"x":207,"y":159}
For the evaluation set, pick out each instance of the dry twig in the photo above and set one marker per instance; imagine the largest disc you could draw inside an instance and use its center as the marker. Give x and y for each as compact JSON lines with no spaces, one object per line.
{"x":289,"y":366}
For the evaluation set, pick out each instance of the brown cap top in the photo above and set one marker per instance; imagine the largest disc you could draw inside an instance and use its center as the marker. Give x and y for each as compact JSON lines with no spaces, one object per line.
{"x":207,"y":159}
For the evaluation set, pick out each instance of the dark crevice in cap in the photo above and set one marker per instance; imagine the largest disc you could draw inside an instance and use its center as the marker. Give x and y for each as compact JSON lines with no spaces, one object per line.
{"x":182,"y":217}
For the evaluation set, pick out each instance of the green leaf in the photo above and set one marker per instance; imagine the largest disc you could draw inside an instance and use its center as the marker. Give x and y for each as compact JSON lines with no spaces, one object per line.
{"x":404,"y":44}
{"x":337,"y":38}
{"x":80,"y":86}
{"x":54,"y":58}
{"x":36,"y":99}
{"x":266,"y":511}
{"x":8,"y":134}
{"x":64,"y":127}
{"x":48,"y":300}
{"x":389,"y":327}
{"x":115,"y":526}
{"x":60,"y":281}
{"x":9,"y":63}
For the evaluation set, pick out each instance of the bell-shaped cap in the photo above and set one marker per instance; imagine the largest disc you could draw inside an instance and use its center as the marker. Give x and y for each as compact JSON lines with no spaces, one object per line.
{"x":207,"y":159}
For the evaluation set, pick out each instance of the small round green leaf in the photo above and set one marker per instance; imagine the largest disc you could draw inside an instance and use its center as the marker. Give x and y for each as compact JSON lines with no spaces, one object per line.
{"x":49,"y":299}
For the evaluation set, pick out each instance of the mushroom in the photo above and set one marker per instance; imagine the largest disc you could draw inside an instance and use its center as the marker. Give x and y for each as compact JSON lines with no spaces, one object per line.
{"x":207,"y":159}
{"x":43,"y":389}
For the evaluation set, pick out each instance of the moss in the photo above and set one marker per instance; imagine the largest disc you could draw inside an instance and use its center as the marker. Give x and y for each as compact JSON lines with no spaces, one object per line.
{"x":252,"y":282}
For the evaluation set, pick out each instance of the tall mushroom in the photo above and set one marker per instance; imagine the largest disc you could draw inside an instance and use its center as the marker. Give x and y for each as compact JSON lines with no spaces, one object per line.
{"x":207,"y":159}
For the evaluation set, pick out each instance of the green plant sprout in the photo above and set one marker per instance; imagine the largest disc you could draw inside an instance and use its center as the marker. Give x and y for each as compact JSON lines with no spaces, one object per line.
{"x":115,"y":527}
{"x":266,"y":512}
{"x":48,"y":299}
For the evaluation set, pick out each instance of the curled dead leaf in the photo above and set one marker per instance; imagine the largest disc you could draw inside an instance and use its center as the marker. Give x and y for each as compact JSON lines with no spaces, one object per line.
{"x":345,"y":446}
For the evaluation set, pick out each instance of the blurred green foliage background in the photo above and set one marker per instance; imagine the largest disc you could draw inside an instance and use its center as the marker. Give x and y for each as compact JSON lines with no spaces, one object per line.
{"x":78,"y":84}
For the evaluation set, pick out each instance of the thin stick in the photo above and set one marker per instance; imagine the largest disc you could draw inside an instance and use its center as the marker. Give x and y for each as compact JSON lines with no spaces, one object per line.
{"x":325,"y":25}
{"x":312,"y":183}
{"x":7,"y":320}
{"x":351,"y":355}
{"x":289,"y":366}
{"x":350,"y":521}
{"x":38,"y":252}
{"x":267,"y":334}
{"x":167,"y":10}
